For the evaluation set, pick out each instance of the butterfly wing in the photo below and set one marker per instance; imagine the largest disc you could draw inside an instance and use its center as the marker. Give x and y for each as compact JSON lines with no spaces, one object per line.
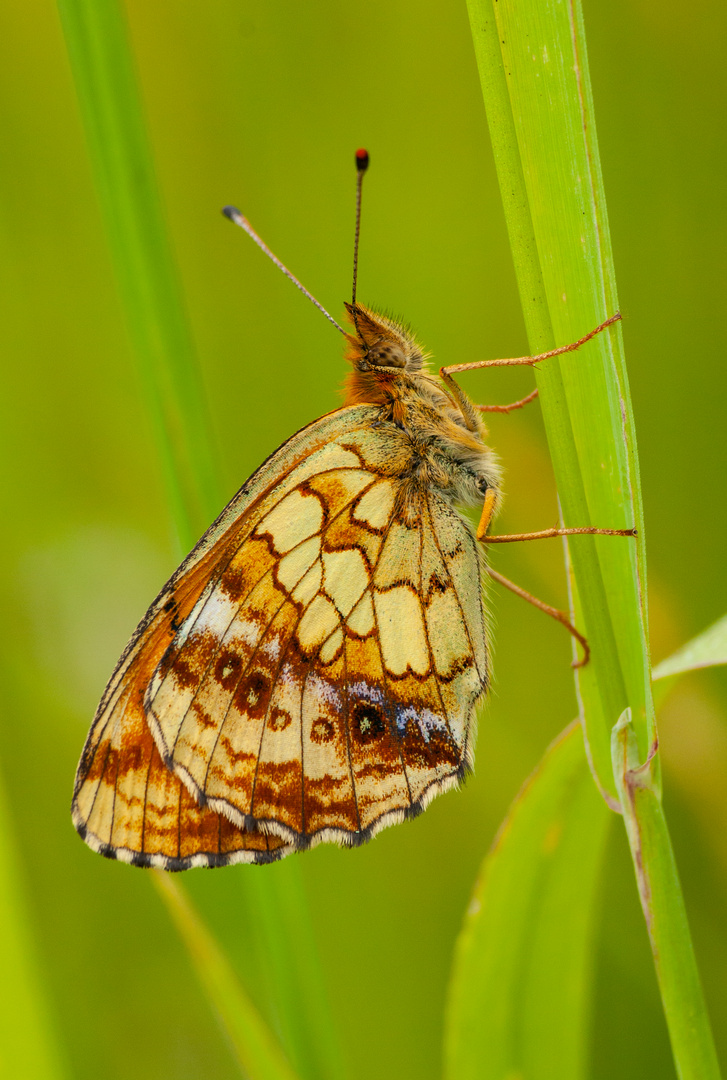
{"x":323,"y":684}
{"x":126,"y":802}
{"x":129,"y":806}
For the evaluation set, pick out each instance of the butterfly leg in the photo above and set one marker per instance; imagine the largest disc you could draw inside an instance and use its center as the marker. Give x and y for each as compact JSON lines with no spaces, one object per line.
{"x":446,"y":373}
{"x":543,"y":534}
{"x":488,"y":510}
{"x":508,"y":408}
{"x":554,"y":613}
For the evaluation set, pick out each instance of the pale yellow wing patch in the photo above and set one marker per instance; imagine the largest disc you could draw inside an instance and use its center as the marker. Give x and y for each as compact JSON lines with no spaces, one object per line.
{"x":454,"y":612}
{"x":459,"y":552}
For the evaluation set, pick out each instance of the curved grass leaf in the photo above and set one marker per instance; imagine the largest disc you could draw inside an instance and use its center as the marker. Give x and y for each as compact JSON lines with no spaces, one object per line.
{"x":708,"y":649}
{"x":518,"y":1003}
{"x":103,"y":70}
{"x":534,"y":72}
{"x":292,"y":971}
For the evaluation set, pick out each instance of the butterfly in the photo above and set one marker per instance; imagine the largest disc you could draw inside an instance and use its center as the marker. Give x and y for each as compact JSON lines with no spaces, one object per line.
{"x":311,"y":671}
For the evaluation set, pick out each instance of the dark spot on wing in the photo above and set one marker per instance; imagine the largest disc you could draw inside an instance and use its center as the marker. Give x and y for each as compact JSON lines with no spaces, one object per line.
{"x":279,"y":719}
{"x":368,"y":722}
{"x":322,"y":731}
{"x":228,"y":669}
{"x":252,"y":695}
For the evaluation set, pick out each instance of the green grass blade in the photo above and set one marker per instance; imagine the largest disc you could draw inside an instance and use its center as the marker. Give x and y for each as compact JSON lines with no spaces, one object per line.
{"x":534,"y":71}
{"x":255,"y":1046}
{"x":518,"y":1003}
{"x":706,"y":650}
{"x":28,"y":1047}
{"x":531,"y":57}
{"x":103,"y":70}
{"x":663,"y":906}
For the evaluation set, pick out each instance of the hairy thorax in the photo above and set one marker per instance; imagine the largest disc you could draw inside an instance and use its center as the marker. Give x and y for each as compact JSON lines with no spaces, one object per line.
{"x":442,"y":435}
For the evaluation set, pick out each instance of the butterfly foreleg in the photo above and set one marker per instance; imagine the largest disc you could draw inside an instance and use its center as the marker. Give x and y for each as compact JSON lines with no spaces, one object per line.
{"x":446,"y":373}
{"x":530,"y":361}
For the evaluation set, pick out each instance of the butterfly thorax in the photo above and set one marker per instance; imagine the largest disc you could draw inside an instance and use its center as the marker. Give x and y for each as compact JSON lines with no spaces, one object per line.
{"x":446,"y":436}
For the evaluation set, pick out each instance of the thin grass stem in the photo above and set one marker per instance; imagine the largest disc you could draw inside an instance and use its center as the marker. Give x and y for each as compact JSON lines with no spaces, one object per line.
{"x":103,"y":70}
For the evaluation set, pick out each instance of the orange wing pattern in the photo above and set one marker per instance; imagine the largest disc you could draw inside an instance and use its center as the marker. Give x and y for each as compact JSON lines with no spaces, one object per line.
{"x":310,"y":672}
{"x":127,"y":804}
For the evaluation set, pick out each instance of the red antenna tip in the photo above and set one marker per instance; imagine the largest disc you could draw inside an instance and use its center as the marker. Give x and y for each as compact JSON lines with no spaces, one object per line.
{"x":362,"y":160}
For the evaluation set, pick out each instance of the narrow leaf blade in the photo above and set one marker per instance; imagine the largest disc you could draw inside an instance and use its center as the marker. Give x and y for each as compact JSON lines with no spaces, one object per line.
{"x":110,"y":103}
{"x":708,"y":649}
{"x":256,"y":1049}
{"x":535,"y":81}
{"x":518,"y":1003}
{"x":103,"y":68}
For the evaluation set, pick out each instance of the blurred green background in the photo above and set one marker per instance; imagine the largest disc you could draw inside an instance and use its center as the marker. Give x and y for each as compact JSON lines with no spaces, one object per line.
{"x":262,"y":104}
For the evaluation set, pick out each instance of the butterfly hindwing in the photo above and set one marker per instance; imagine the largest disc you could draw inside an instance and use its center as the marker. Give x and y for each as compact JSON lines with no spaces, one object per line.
{"x":140,"y":812}
{"x":306,"y":694}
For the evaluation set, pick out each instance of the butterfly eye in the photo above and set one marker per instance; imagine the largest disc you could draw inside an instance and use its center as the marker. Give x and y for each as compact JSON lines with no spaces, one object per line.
{"x":481,"y":485}
{"x":387,"y":355}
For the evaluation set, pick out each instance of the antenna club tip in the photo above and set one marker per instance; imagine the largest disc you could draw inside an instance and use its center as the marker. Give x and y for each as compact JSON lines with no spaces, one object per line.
{"x":362,"y":160}
{"x":231,"y":212}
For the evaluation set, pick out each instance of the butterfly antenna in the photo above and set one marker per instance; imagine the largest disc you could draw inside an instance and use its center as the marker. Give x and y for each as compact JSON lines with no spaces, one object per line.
{"x":235,"y":216}
{"x":362,"y":164}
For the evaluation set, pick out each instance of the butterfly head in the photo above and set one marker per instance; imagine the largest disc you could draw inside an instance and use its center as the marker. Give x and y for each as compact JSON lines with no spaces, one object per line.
{"x":380,"y":344}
